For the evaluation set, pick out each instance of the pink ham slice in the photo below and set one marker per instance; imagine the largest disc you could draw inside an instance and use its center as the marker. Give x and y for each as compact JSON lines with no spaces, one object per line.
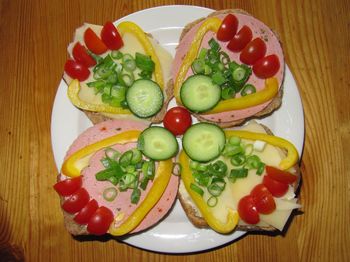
{"x":259,"y":29}
{"x":122,"y":202}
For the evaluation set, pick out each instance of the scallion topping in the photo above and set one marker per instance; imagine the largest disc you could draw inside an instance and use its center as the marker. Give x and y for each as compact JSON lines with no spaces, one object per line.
{"x":110,"y":194}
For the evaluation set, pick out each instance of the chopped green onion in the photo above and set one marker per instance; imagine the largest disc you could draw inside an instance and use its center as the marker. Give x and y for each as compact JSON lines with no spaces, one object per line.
{"x":248,"y":89}
{"x":248,"y":149}
{"x":116,"y":54}
{"x":261,"y":168}
{"x":145,"y":74}
{"x":231,"y":150}
{"x":214,"y":45}
{"x":237,"y":173}
{"x":130,"y":169}
{"x":202,"y":179}
{"x":148,"y":169}
{"x":252,"y":162}
{"x":135,"y":195}
{"x":113,"y":180}
{"x":207,"y":70}
{"x":238,"y":160}
{"x":239,"y":74}
{"x":112,"y":78}
{"x":136,"y":156}
{"x":112,"y":153}
{"x":125,"y":158}
{"x":110,"y":194}
{"x":218,"y":78}
{"x":202,"y":167}
{"x":124,"y":104}
{"x":203,"y":53}
{"x":219,"y":168}
{"x":227,"y":93}
{"x":214,"y":189}
{"x":234,"y":140}
{"x":198,"y":66}
{"x":126,"y":79}
{"x":127,"y":181}
{"x":129,"y":65}
{"x":212,"y":201}
{"x":197,"y":189}
{"x":127,"y":57}
{"x":96,"y":84}
{"x":194,"y":165}
{"x":224,"y":58}
{"x":144,"y":62}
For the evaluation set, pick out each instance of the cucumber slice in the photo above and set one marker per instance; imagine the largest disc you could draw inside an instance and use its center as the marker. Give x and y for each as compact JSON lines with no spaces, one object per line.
{"x":203,"y":142}
{"x":157,"y":143}
{"x":144,"y":98}
{"x":199,"y":94}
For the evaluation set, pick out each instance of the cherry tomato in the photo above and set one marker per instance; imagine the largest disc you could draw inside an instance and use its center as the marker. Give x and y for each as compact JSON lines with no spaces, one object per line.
{"x":81,"y":55}
{"x":100,"y":221}
{"x":111,"y":37}
{"x":254,"y":50}
{"x":76,"y":201}
{"x":276,"y":188}
{"x":280,"y":175}
{"x":86,"y":212}
{"x":68,"y":186}
{"x":76,"y":70}
{"x":228,"y":28}
{"x":247,"y":210}
{"x":241,"y":39}
{"x":94,"y":43}
{"x":177,"y":120}
{"x":264,"y":202}
{"x":266,"y":67}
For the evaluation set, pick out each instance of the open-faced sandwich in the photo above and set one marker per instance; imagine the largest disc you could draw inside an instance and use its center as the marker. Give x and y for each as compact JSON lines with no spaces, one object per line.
{"x":117,"y":178}
{"x":118,"y":72}
{"x":228,"y":67}
{"x":237,"y":179}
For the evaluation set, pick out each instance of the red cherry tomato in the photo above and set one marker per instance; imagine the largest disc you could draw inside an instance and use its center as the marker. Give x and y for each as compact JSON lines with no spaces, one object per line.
{"x":254,"y":50}
{"x":81,"y":55}
{"x":94,"y":43}
{"x":111,"y":37}
{"x":280,"y":175}
{"x":68,"y":186}
{"x":86,"y":212}
{"x":177,"y":120}
{"x":228,"y":28}
{"x":266,"y":67}
{"x":264,"y":202}
{"x":241,"y":39}
{"x":247,"y":210}
{"x":76,"y":70}
{"x":276,"y":188}
{"x":100,"y":221}
{"x":76,"y":201}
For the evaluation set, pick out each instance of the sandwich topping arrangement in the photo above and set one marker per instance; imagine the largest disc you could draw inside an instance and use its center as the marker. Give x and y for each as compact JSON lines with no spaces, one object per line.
{"x":124,"y":174}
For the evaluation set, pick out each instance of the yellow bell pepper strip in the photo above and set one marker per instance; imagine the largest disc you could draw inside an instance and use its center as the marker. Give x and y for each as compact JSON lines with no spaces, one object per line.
{"x":286,"y":163}
{"x":130,"y":27}
{"x":73,"y":165}
{"x":210,"y":24}
{"x":264,"y":95}
{"x":161,"y":180}
{"x":213,"y":222}
{"x":73,"y":94}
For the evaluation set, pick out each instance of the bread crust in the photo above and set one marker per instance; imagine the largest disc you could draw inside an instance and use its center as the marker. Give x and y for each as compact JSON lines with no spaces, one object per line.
{"x":198,"y":221}
{"x":273,"y":105}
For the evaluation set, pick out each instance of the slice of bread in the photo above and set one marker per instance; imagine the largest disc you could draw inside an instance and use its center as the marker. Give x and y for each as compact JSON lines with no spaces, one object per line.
{"x":274,"y":104}
{"x":97,"y":117}
{"x":197,"y":219}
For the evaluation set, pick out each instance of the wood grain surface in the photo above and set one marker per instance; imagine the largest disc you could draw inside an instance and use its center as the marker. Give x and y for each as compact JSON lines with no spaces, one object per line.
{"x":33,"y":39}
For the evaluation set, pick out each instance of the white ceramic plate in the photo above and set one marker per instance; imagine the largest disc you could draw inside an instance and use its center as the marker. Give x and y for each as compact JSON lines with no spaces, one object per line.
{"x":175,"y":234}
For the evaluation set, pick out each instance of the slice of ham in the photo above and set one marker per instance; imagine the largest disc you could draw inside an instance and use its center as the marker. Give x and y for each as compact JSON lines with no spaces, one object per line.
{"x":259,"y":29}
{"x":95,"y":188}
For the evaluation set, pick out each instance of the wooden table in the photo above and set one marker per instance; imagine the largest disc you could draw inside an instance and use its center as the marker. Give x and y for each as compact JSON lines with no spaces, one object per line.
{"x":34,"y":36}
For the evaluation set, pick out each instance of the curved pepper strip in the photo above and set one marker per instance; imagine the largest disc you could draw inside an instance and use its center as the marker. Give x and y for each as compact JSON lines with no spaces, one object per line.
{"x":71,"y":166}
{"x":286,"y":163}
{"x":213,"y":222}
{"x":160,"y":183}
{"x":264,"y":95}
{"x":130,"y":27}
{"x":210,"y":24}
{"x":73,"y":94}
